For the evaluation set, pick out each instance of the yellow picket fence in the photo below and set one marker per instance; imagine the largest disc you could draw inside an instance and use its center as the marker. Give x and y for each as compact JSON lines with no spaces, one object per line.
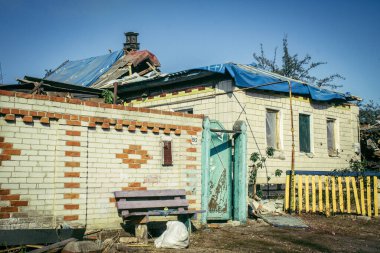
{"x":332,"y":192}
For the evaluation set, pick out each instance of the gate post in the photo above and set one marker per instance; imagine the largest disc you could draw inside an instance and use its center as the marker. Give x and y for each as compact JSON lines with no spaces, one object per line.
{"x":206,"y":140}
{"x":240,"y":172}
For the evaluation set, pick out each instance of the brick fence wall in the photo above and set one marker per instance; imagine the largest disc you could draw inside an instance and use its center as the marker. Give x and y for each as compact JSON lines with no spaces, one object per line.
{"x":62,"y":159}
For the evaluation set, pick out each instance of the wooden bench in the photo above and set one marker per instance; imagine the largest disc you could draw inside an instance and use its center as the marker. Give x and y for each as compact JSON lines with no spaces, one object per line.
{"x":138,"y":206}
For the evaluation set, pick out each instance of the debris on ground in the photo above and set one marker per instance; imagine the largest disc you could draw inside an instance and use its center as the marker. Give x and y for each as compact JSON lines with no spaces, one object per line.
{"x":175,"y":236}
{"x":257,"y":207}
{"x":82,"y":246}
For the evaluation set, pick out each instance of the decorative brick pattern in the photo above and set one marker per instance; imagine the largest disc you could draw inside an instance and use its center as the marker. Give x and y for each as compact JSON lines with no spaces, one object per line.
{"x":134,"y":150}
{"x":7,"y":150}
{"x":77,"y":167}
{"x":11,"y":203}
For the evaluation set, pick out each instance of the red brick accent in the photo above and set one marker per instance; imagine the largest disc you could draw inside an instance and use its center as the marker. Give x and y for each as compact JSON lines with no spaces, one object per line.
{"x":73,"y":123}
{"x":19,"y":203}
{"x":71,"y":196}
{"x":73,"y":133}
{"x":131,"y":128}
{"x":70,"y":217}
{"x":5,"y":191}
{"x":5,"y":215}
{"x":156,"y":130}
{"x":167,"y":131}
{"x":10,"y":117}
{"x":10,"y":197}
{"x":11,"y":152}
{"x":134,"y":166}
{"x":134,"y":184}
{"x":191,"y":149}
{"x":71,"y":206}
{"x":191,"y":167}
{"x":72,"y":185}
{"x":73,"y":143}
{"x":133,"y":189}
{"x":45,"y":120}
{"x":144,"y":129}
{"x":177,"y":132}
{"x":72,"y":153}
{"x":72,"y":164}
{"x":72,"y":174}
{"x":105,"y":125}
{"x":8,"y":209}
{"x":135,"y":147}
{"x":192,"y":201}
{"x":134,"y":163}
{"x":112,"y":200}
{"x":118,"y":126}
{"x":191,"y":132}
{"x":27,"y":119}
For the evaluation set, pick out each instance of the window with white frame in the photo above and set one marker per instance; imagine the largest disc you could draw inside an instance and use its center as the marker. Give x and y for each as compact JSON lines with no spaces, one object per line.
{"x":304,"y":133}
{"x":273,"y":128}
{"x":332,"y":137}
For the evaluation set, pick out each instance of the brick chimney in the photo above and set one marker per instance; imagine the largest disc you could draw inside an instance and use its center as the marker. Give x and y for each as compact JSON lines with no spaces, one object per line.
{"x":131,"y":42}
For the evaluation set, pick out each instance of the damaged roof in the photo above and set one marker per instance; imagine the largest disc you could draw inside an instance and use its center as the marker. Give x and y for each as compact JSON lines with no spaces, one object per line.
{"x":97,"y":72}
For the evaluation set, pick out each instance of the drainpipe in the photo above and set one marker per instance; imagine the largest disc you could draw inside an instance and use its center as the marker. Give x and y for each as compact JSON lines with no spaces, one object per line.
{"x":293,"y":189}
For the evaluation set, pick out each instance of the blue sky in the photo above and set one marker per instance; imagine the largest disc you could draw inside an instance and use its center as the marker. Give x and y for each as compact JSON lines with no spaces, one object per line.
{"x":38,"y":35}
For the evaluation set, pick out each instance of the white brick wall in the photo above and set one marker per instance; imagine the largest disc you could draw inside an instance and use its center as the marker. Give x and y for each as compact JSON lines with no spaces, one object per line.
{"x":227,"y":110}
{"x":37,"y":174}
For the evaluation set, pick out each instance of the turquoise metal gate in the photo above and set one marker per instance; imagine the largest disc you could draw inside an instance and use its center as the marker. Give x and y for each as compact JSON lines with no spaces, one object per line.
{"x":220,"y":179}
{"x":224,"y":182}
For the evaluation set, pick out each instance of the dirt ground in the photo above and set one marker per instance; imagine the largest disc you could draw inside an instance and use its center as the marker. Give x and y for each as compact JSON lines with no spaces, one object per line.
{"x":333,"y":234}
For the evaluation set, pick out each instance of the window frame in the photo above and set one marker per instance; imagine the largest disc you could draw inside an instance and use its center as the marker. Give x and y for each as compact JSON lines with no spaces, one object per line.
{"x":279,"y":130}
{"x":311,"y":133}
{"x":335,"y":136}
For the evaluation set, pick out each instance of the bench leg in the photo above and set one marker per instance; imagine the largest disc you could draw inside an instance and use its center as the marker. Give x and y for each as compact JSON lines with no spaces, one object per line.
{"x":141,"y":233}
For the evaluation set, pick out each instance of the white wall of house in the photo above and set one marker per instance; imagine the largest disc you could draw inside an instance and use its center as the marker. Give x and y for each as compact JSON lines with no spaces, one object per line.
{"x":228,"y":108}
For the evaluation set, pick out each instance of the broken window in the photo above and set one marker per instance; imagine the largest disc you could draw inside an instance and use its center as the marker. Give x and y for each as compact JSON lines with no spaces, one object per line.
{"x":167,"y":158}
{"x":331,"y":137}
{"x":272,"y":129}
{"x":304,"y":133}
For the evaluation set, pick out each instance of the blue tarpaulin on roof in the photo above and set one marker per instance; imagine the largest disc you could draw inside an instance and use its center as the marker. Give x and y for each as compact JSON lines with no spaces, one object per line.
{"x":85,"y":72}
{"x":246,"y":76}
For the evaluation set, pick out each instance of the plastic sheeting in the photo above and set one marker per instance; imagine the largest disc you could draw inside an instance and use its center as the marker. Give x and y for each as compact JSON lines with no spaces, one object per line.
{"x":271,"y":128}
{"x":248,"y":76}
{"x":85,"y":72}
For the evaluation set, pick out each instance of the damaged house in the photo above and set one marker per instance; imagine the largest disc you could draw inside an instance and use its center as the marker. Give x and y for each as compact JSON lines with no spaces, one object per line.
{"x":64,"y":153}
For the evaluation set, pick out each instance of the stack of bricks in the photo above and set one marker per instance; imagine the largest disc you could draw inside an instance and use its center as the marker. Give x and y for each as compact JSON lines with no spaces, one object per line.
{"x":62,"y":159}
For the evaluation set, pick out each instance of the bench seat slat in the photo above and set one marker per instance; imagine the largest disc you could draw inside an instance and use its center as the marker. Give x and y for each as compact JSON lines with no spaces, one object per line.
{"x":149,"y":193}
{"x":157,"y":213}
{"x":143,"y":204}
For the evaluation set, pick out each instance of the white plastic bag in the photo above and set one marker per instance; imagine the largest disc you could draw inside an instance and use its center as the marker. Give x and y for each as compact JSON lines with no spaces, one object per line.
{"x":175,"y":236}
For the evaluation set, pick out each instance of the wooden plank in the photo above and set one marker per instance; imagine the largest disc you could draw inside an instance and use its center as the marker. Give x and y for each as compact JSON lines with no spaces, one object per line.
{"x":327,"y":196}
{"x":151,"y":204}
{"x":126,"y":214}
{"x":348,"y":194}
{"x":307,"y":194}
{"x":333,"y":191}
{"x":362,"y":200}
{"x":375,"y":197}
{"x":313,"y":195}
{"x":320,"y":199}
{"x":369,"y":200}
{"x":53,"y":246}
{"x":340,"y":189}
{"x":150,"y":193}
{"x":300,"y":199}
{"x":287,"y":193}
{"x":354,"y":188}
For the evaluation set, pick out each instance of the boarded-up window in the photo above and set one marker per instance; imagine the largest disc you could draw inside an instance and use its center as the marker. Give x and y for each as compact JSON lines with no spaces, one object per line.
{"x":304,"y":128}
{"x":167,"y":159}
{"x":331,"y":138}
{"x":272,"y":129}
